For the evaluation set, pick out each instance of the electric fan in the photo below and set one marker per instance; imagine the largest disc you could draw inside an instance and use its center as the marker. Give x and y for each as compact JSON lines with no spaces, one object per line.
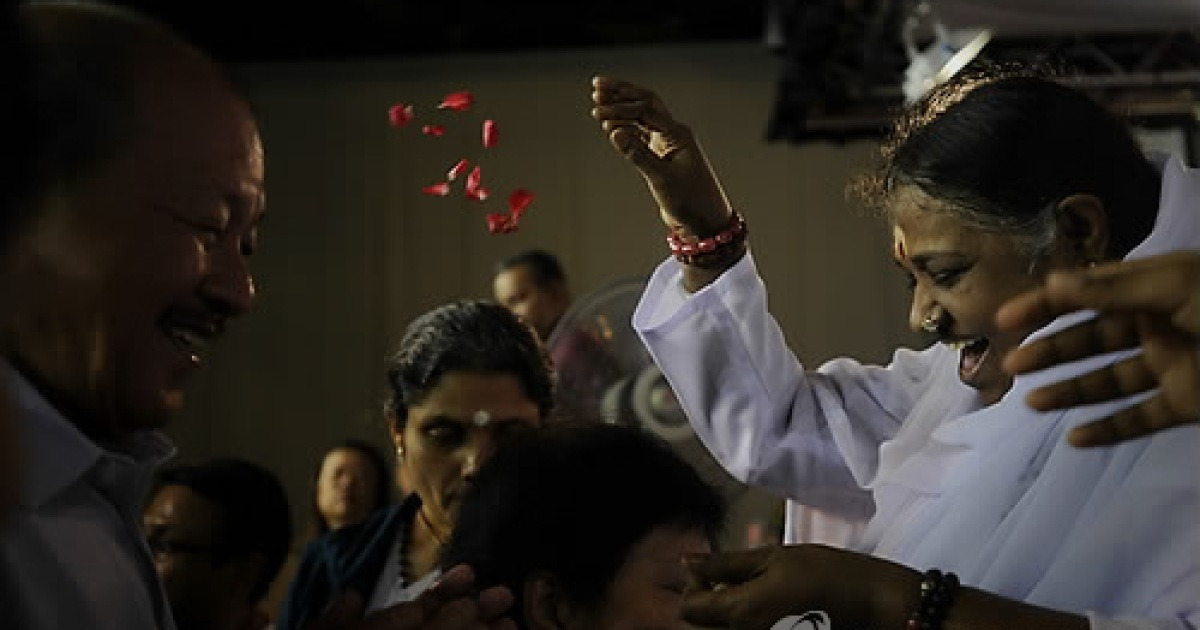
{"x":635,"y":392}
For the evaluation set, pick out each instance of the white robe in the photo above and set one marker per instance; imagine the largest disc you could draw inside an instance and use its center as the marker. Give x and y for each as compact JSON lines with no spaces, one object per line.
{"x":994,"y":494}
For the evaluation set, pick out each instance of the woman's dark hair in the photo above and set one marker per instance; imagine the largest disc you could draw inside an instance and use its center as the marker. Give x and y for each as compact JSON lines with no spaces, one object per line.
{"x":318,"y":526}
{"x":1003,"y":143}
{"x":571,"y":500}
{"x":467,"y":336}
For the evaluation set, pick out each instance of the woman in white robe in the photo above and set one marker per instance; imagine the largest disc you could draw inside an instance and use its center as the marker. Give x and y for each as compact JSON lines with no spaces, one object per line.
{"x":990,"y":183}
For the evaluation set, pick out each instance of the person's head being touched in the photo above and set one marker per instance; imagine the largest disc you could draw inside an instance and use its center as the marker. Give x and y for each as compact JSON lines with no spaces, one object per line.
{"x":638,"y":505}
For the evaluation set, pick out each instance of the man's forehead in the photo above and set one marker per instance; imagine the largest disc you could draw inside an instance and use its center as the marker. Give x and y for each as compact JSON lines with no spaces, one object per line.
{"x":177,"y":503}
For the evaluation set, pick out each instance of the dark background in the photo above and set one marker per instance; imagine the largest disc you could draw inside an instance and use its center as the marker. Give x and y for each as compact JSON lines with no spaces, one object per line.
{"x":271,"y":30}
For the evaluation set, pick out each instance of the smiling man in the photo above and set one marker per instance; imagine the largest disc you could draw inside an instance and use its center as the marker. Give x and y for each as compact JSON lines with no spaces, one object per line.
{"x":130,"y":259}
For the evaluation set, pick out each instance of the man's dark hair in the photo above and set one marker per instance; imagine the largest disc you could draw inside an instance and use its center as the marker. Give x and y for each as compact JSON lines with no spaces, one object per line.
{"x":544,"y":266}
{"x":253,"y":514}
{"x":467,"y":336}
{"x":571,"y":500}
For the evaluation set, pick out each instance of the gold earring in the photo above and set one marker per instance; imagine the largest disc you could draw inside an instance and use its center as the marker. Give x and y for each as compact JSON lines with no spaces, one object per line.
{"x":930,"y":325}
{"x":399,"y":454}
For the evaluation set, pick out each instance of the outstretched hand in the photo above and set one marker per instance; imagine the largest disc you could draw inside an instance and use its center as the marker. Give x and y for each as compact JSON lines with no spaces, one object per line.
{"x":451,"y":604}
{"x":1152,"y":304}
{"x":754,"y":589}
{"x":665,"y":151}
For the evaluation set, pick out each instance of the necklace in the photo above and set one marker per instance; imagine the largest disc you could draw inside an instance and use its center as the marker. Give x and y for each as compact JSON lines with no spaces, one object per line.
{"x":403,"y":558}
{"x":432,"y":531}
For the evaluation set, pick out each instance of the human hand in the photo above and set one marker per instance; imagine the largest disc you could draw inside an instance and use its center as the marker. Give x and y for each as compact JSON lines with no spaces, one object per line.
{"x":667,"y":154}
{"x":754,"y":589}
{"x":1151,"y":303}
{"x":448,"y":605}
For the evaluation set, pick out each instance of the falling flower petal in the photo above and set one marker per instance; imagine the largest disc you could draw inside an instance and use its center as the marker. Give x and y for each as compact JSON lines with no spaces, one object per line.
{"x":457,"y":101}
{"x":399,"y":114}
{"x":473,"y":180}
{"x":473,"y":188}
{"x":457,"y":169}
{"x":489,"y":133}
{"x":500,"y":223}
{"x":519,"y":200}
{"x":439,"y":190}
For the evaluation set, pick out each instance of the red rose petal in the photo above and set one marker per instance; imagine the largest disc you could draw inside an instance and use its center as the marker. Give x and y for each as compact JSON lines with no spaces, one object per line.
{"x":399,"y":114}
{"x":519,"y":200}
{"x":433,"y":130}
{"x":439,"y":190}
{"x":457,"y":169}
{"x":479,"y":193}
{"x":457,"y":101}
{"x":473,"y":180}
{"x":500,"y":223}
{"x":490,"y":132}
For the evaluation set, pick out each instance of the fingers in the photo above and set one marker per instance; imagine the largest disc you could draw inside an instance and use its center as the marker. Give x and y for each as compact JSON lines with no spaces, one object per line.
{"x":459,"y":580}
{"x":341,"y":612}
{"x":402,"y":616}
{"x":710,"y":608}
{"x":637,"y":121}
{"x":1103,"y":334}
{"x":1149,"y":417}
{"x":628,"y":140}
{"x":495,"y":602}
{"x":1162,"y":284}
{"x":1030,"y":309}
{"x":459,"y":614}
{"x":729,"y":568}
{"x":719,"y":583}
{"x":1121,"y":379}
{"x":1165,"y":284}
{"x":436,"y":613}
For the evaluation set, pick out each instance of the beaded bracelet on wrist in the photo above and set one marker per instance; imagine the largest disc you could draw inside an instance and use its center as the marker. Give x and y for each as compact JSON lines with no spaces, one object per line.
{"x":713,"y":252}
{"x":937,"y":594}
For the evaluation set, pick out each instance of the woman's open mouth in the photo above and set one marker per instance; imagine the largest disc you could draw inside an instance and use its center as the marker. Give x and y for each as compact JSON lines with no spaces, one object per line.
{"x":971,"y":356}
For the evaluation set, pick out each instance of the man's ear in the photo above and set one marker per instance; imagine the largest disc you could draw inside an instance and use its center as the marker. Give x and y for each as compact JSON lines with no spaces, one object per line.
{"x":546,"y":605}
{"x":1082,"y":226}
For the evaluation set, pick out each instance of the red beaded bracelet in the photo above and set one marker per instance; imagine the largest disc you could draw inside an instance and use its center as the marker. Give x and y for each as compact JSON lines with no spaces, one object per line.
{"x":711,"y":252}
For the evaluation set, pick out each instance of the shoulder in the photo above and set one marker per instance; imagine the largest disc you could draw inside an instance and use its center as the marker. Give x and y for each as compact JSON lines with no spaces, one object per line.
{"x":364,"y":537}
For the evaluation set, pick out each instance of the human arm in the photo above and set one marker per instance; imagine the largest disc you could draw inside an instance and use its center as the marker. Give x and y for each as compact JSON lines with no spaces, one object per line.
{"x":1152,"y":304}
{"x":690,"y":198}
{"x":760,"y":587}
{"x":809,"y":435}
{"x":812,"y":435}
